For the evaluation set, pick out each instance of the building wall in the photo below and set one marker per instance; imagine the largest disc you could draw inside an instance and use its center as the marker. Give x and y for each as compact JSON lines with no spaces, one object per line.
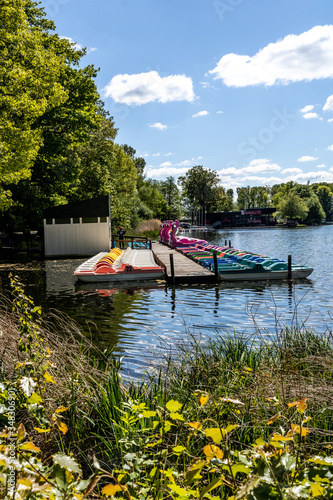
{"x":76,"y":239}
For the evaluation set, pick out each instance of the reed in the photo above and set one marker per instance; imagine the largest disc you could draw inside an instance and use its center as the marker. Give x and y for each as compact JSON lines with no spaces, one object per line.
{"x":239,"y":388}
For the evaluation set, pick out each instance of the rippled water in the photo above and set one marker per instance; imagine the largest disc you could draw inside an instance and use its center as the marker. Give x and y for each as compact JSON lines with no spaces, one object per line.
{"x":137,"y":319}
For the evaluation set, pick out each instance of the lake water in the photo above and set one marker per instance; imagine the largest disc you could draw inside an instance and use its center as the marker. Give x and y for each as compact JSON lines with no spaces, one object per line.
{"x":138,"y":319}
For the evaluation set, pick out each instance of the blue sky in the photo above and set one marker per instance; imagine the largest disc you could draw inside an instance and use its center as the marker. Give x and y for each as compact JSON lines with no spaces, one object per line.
{"x":243,"y":87}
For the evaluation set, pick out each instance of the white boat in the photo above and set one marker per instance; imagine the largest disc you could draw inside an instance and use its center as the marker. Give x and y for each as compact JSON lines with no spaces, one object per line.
{"x":118,"y":265}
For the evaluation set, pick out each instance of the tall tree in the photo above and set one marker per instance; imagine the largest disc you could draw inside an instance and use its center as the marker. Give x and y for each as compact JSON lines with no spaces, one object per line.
{"x":292,"y":206}
{"x":30,"y":86}
{"x":198,"y":185}
{"x":325,"y":196}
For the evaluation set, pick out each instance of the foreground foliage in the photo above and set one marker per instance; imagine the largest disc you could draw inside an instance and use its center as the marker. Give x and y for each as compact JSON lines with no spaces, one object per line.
{"x":231,"y":419}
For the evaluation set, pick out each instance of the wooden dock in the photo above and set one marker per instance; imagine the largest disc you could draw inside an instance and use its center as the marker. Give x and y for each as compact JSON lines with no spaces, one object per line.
{"x":185,"y":270}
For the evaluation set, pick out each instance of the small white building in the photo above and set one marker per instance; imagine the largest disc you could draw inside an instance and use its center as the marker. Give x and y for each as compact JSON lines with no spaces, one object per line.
{"x":78,"y":229}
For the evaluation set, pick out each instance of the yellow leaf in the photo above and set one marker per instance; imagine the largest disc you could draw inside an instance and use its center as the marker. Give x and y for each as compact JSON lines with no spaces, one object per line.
{"x":297,"y":429}
{"x":317,"y":490}
{"x":231,"y":428}
{"x":203,"y":399}
{"x":61,"y":409}
{"x":301,"y":405}
{"x":306,"y":420}
{"x":20,"y":432}
{"x":176,"y":416}
{"x":148,"y":414}
{"x":62,"y":427}
{"x":212,"y":451}
{"x":178,"y":449}
{"x":41,"y":431}
{"x":215,"y":433}
{"x":195,"y":425}
{"x":29,"y":447}
{"x":111,"y":489}
{"x":173,"y":406}
{"x":277,"y":437}
{"x":25,"y":482}
{"x":273,"y":419}
{"x":49,"y":378}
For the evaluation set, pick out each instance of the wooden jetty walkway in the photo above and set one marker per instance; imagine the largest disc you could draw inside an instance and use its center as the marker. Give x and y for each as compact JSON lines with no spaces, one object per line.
{"x":185,"y":270}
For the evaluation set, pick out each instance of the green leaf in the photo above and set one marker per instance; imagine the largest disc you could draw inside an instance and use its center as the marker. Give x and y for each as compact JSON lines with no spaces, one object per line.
{"x":214,"y":484}
{"x":194,"y":472}
{"x":66,"y":462}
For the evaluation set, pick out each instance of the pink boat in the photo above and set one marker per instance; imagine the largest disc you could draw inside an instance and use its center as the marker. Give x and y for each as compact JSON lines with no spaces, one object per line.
{"x":182,"y":241}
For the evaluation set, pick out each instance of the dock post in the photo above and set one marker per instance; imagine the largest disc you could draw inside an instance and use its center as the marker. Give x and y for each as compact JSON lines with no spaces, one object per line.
{"x":172,"y":268}
{"x":225,"y":243}
{"x":229,"y":243}
{"x":215,"y":267}
{"x":289,"y":267}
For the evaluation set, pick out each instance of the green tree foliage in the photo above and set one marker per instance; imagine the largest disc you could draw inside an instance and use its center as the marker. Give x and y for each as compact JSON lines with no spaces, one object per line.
{"x":30,"y":86}
{"x":253,"y":197}
{"x":325,"y":196}
{"x":292,"y":206}
{"x":316,"y":213}
{"x":199,"y":185}
{"x":171,"y":194}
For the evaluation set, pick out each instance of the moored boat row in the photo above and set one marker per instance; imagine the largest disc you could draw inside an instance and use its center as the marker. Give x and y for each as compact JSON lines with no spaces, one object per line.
{"x":237,"y":265}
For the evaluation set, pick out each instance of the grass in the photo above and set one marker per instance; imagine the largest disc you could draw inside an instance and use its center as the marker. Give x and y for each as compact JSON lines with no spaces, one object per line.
{"x":149,"y":228}
{"x":233,"y":380}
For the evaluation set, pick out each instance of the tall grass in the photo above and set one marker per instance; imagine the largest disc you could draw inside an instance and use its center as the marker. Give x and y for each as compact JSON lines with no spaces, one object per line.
{"x":104,"y":413}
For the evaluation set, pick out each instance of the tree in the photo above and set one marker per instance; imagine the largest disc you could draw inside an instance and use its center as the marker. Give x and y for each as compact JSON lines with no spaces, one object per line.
{"x":198,"y":185}
{"x":29,"y":87}
{"x":292,"y":206}
{"x":170,"y":192}
{"x":325,"y":196}
{"x":316,"y":213}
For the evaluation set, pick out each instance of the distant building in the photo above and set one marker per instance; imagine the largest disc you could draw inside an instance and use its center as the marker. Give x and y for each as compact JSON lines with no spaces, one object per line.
{"x":78,"y":229}
{"x":242,"y":218}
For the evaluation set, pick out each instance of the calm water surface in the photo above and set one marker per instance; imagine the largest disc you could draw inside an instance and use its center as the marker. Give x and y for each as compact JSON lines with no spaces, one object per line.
{"x":137,"y":319}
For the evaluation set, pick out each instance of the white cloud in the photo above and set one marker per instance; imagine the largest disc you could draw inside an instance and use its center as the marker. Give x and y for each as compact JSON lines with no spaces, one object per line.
{"x":166,"y":164}
{"x":260,"y":165}
{"x":219,"y":112}
{"x":169,"y":154}
{"x":78,"y":46}
{"x":159,"y":126}
{"x":330,"y":120}
{"x":306,"y":109}
{"x":330,"y":148}
{"x":311,"y":116}
{"x":201,"y":113}
{"x":166,"y":171}
{"x":156,"y":154}
{"x":291,"y":171}
{"x":322,"y":176}
{"x":322,"y":165}
{"x":149,"y":87}
{"x":328,"y":106}
{"x":295,"y":58}
{"x":305,"y":158}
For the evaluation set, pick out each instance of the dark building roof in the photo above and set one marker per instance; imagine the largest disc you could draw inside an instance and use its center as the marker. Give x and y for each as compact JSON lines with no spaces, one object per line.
{"x":95,"y":207}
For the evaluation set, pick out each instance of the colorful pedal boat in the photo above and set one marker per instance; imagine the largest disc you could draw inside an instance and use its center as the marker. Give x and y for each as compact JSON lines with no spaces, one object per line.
{"x":237,"y":265}
{"x":118,"y":265}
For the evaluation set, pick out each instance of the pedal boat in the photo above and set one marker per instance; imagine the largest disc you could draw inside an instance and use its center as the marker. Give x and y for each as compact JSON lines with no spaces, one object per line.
{"x":118,"y":265}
